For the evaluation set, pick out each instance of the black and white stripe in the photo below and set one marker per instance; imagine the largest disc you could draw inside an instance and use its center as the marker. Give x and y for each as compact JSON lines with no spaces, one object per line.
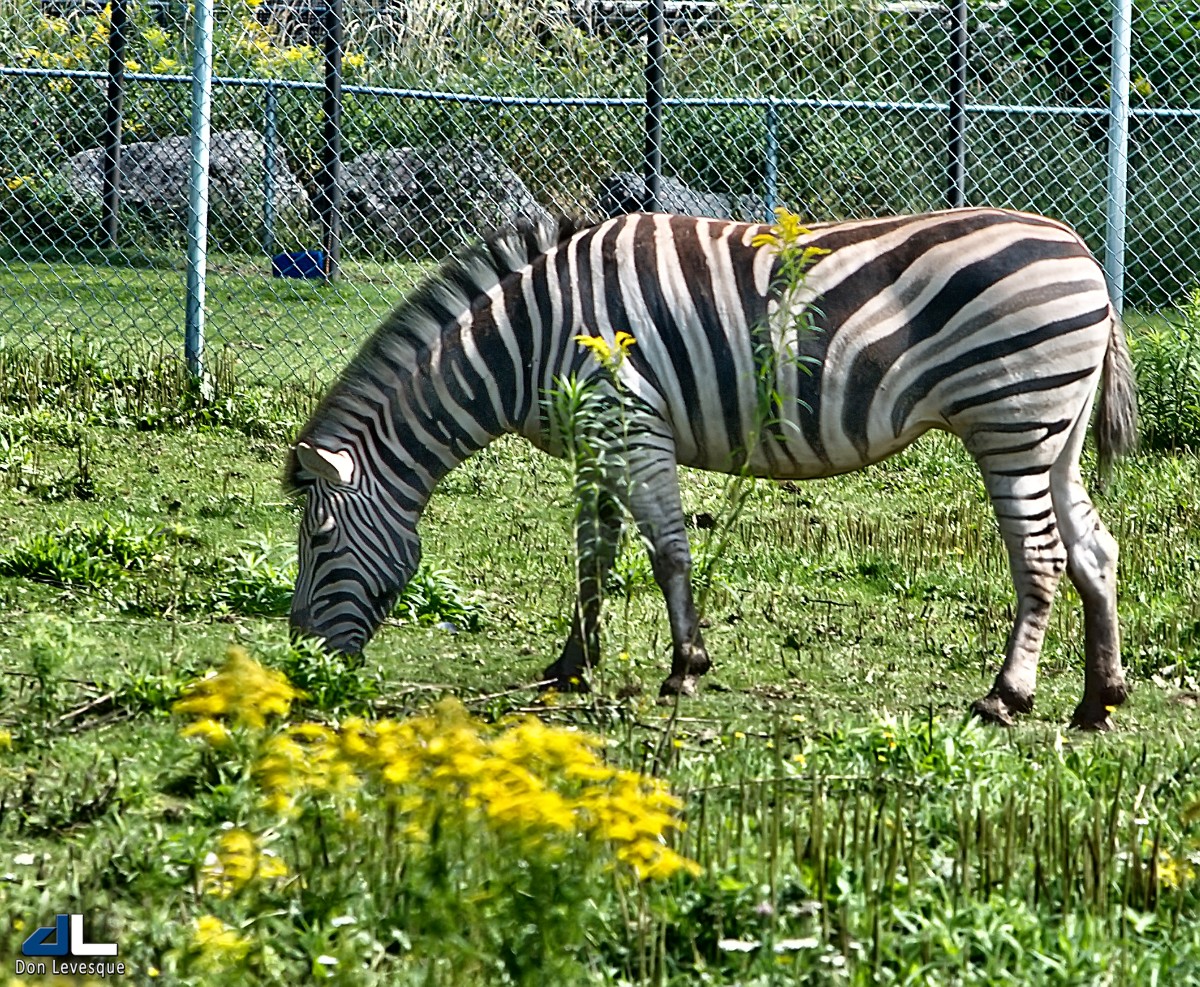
{"x":990,"y":324}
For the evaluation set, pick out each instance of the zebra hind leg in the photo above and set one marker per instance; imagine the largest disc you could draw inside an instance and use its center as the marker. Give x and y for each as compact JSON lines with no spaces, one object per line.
{"x":1092,"y":568}
{"x":1025,"y":511}
{"x":597,"y":538}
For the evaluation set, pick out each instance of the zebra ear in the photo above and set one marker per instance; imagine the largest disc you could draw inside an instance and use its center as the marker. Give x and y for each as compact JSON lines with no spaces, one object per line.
{"x":334,"y":467}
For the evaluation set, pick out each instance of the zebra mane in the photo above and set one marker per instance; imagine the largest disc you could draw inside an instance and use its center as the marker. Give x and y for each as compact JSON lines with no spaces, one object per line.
{"x":418,"y":321}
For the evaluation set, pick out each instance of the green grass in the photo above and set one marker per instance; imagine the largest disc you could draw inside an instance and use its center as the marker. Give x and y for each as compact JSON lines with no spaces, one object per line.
{"x":851,"y":824}
{"x":139,"y":310}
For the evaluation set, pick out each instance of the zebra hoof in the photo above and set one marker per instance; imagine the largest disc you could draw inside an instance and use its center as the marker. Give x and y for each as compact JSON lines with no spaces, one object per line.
{"x":575,"y":684}
{"x":678,"y":685}
{"x":992,"y":709}
{"x":1085,"y":718}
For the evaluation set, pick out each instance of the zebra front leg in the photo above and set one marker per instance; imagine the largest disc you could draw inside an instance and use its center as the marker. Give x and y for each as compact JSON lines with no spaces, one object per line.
{"x":1036,"y":560}
{"x":597,"y":537}
{"x":656,"y":507}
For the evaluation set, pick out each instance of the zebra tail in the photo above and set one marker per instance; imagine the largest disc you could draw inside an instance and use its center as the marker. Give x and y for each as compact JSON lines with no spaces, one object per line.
{"x":1116,"y":419}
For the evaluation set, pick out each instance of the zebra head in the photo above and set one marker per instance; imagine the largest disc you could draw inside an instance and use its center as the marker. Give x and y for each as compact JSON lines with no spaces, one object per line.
{"x":356,"y":551}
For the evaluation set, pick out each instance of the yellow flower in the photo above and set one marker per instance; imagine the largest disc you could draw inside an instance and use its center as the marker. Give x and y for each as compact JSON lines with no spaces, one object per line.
{"x":786,"y":230}
{"x":354,"y":60}
{"x":219,"y":946}
{"x":784,"y":238}
{"x":165,"y":66}
{"x":242,"y":691}
{"x":1174,"y":872}
{"x":610,"y":356}
{"x":239,"y":860}
{"x":6,"y":740}
{"x":209,"y":730}
{"x":156,"y":38}
{"x":132,"y":65}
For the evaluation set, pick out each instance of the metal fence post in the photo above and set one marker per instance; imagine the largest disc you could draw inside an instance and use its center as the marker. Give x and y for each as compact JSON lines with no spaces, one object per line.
{"x":655,"y":65}
{"x":960,"y":41}
{"x":113,"y":115}
{"x":331,"y":160}
{"x":197,"y":219}
{"x":270,"y":166}
{"x":1118,"y":152}
{"x":771,"y":192}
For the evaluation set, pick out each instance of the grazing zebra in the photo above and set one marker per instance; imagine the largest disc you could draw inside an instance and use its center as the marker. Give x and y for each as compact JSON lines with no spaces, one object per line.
{"x":993,"y":325}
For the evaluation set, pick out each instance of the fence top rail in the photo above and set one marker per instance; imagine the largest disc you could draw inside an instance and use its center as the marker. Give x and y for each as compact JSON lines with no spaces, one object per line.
{"x":632,"y":102}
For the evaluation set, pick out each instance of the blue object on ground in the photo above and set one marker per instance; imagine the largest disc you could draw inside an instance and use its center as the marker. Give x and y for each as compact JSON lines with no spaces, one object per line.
{"x":299,"y":264}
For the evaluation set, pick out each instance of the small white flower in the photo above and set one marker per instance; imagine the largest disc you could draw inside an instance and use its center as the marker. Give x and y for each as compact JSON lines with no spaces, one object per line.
{"x":738,"y":945}
{"x":791,"y":945}
{"x":327,"y":960}
{"x":341,"y":920}
{"x":24,"y":860}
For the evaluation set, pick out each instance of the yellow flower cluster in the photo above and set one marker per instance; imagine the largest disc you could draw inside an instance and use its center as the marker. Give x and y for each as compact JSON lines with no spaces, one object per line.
{"x":53,"y":44}
{"x":524,"y":779}
{"x":1173,"y":871}
{"x":242,"y":693}
{"x":784,"y":237}
{"x":608,"y":355}
{"x":240,"y":860}
{"x":218,"y":945}
{"x":543,"y":786}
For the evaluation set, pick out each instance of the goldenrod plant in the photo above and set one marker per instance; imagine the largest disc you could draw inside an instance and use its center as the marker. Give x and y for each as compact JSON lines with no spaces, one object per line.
{"x":788,"y":319}
{"x":489,"y":844}
{"x":592,"y":415}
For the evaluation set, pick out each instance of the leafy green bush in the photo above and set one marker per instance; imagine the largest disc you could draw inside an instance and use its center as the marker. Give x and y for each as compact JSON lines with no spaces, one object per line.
{"x":45,"y":217}
{"x":432,"y":597}
{"x":1067,"y":42}
{"x":1167,"y":360}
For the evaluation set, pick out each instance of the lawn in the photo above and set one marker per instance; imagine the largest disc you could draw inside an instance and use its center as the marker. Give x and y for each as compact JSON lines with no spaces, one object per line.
{"x":850,"y":823}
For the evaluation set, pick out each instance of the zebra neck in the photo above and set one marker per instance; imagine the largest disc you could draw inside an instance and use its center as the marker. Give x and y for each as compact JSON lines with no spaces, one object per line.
{"x":441,"y":422}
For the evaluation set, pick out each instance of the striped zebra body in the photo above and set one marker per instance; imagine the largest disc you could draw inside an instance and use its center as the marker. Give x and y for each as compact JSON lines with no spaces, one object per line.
{"x":993,"y":325}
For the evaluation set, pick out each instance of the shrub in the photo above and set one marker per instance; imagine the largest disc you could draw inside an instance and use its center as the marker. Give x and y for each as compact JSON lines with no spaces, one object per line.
{"x":1167,"y":360}
{"x":1067,"y":45}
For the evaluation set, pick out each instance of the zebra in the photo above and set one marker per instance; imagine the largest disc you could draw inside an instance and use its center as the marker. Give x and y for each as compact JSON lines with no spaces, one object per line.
{"x":990,"y":324}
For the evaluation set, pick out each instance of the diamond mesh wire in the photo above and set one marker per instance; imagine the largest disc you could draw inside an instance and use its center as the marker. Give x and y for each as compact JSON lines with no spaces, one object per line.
{"x":457,"y":118}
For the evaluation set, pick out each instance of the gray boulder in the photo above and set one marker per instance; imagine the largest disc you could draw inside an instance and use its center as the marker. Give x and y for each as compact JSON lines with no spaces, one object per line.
{"x":379,"y":192}
{"x":625,"y":192}
{"x":155,"y":177}
{"x":432,"y":199}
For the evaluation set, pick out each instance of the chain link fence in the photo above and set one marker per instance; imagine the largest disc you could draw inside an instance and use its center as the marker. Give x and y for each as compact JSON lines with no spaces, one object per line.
{"x":450,"y":119}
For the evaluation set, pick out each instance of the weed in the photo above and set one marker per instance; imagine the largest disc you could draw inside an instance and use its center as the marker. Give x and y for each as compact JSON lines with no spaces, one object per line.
{"x":254,"y":581}
{"x":333,"y":683}
{"x":49,"y":645}
{"x":85,"y":555}
{"x":432,"y":597}
{"x":148,"y":390}
{"x":1167,"y":362}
